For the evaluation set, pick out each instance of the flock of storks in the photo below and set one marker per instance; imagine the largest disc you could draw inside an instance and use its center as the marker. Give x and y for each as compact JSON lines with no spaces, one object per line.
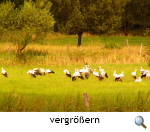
{"x":85,"y":72}
{"x":101,"y":74}
{"x":36,"y":71}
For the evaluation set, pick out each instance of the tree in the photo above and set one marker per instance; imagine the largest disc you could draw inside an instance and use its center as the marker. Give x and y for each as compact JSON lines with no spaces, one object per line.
{"x":61,"y":10}
{"x":136,"y":15}
{"x":76,"y":23}
{"x":141,"y":13}
{"x":7,"y":15}
{"x":28,"y":20}
{"x":94,"y":16}
{"x":127,"y":17}
{"x":16,"y":3}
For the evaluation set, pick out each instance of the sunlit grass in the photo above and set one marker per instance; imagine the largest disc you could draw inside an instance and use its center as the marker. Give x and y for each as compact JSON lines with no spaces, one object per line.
{"x":58,"y":93}
{"x":55,"y":92}
{"x":66,"y":55}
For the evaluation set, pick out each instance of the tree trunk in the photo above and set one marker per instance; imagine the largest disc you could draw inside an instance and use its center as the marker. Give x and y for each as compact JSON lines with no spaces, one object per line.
{"x":126,"y":28}
{"x":20,"y":49}
{"x":19,"y":52}
{"x":79,"y":38}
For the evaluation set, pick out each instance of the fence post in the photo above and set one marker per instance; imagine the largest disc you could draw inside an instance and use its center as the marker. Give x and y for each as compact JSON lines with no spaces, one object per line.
{"x":86,"y":100}
{"x":127,"y":44}
{"x":141,"y":50}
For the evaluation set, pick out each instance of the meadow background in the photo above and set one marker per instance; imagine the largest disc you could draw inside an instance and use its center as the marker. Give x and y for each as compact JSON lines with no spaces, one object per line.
{"x":55,"y":92}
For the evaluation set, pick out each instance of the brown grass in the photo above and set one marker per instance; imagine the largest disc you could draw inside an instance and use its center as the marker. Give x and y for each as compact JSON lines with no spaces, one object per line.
{"x":66,"y":55}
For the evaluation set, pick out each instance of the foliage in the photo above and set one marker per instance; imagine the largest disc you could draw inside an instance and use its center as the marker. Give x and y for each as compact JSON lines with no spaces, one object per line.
{"x":76,"y":20}
{"x":147,"y":32}
{"x":127,"y":17}
{"x":136,"y":15}
{"x":141,"y":13}
{"x":7,"y":16}
{"x":30,"y":21}
{"x":104,"y":16}
{"x":92,"y":16}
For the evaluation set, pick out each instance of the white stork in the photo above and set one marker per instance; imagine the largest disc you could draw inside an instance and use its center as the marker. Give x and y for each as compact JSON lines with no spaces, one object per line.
{"x":67,"y":73}
{"x":118,"y":77}
{"x":42,"y":71}
{"x":148,"y":74}
{"x":32,"y":73}
{"x":138,"y":80}
{"x":49,"y":71}
{"x":103,"y":72}
{"x":37,"y":71}
{"x":143,"y":72}
{"x":86,"y":65}
{"x":4,"y":72}
{"x":134,"y":74}
{"x":85,"y":71}
{"x":122,"y":74}
{"x":100,"y":69}
{"x":77,"y":74}
{"x":98,"y":75}
{"x":88,"y":68}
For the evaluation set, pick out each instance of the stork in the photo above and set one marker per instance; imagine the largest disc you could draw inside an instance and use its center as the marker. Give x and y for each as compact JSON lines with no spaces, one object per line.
{"x":42,"y":71}
{"x":86,"y":65}
{"x":85,"y":71}
{"x":143,"y":72}
{"x":88,"y":68}
{"x":148,"y":74}
{"x":118,"y":77}
{"x":32,"y":73}
{"x":138,"y":80}
{"x":98,"y":75}
{"x":77,"y":74}
{"x":37,"y":71}
{"x":122,"y":74}
{"x":103,"y":72}
{"x":100,"y":69}
{"x":49,"y":71}
{"x":4,"y":72}
{"x":67,"y":73}
{"x":134,"y":74}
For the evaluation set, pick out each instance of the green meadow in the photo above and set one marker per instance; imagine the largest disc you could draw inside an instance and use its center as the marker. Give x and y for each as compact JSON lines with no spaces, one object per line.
{"x":56,"y":92}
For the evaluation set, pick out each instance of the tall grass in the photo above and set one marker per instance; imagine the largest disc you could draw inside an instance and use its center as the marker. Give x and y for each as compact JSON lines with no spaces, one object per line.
{"x":66,"y":55}
{"x":62,"y":50}
{"x":11,"y":102}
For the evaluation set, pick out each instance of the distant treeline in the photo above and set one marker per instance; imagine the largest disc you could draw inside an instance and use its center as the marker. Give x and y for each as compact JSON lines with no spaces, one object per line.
{"x":125,"y":15}
{"x":98,"y":16}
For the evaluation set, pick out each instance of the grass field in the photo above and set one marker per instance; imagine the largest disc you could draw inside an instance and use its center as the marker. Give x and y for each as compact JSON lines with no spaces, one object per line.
{"x":55,"y":92}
